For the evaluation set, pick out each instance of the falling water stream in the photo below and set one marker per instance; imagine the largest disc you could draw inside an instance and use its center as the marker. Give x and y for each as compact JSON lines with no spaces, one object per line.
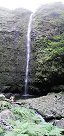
{"x":27,"y":65}
{"x":28,"y":55}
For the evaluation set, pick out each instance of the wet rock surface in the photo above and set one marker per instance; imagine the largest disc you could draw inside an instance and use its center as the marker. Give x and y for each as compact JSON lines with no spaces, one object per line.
{"x":4,"y":115}
{"x":13,"y":30}
{"x":46,"y":67}
{"x":51,"y":107}
{"x":59,"y":123}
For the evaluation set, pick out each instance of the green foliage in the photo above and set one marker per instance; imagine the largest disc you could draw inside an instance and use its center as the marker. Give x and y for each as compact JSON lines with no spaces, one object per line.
{"x":55,"y":132}
{"x":14,"y":134}
{"x":26,"y":114}
{"x":48,"y":47}
{"x":1,"y":131}
{"x":26,"y":123}
{"x":31,"y":129}
{"x":48,"y":56}
{"x":4,"y":105}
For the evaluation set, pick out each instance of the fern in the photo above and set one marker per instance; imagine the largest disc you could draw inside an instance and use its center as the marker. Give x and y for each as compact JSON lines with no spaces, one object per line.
{"x":27,"y":123}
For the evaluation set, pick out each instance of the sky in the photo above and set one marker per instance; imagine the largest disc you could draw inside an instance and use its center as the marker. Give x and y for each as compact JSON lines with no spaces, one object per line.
{"x":28,"y":4}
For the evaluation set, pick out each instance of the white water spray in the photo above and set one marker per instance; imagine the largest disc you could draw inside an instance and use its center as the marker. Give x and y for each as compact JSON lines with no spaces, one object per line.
{"x":28,"y":54}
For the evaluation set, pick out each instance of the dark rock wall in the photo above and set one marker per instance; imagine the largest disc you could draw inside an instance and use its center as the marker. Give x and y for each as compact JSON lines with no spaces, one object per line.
{"x":13,"y":29}
{"x":47,"y":49}
{"x":46,"y":68}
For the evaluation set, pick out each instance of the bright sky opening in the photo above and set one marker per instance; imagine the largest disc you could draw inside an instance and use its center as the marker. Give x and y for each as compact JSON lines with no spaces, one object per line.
{"x":28,"y":4}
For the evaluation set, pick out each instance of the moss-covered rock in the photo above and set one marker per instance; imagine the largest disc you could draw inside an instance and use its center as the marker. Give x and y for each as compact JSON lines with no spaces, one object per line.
{"x":47,"y":48}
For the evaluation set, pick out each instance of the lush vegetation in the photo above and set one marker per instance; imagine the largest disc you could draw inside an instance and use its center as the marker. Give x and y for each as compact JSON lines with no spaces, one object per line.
{"x":49,"y":55}
{"x":24,"y":122}
{"x":48,"y":47}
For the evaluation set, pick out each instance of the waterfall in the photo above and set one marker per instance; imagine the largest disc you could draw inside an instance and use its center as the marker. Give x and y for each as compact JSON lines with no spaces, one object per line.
{"x":28,"y":54}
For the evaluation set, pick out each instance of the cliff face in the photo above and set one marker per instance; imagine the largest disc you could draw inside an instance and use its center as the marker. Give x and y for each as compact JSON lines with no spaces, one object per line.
{"x":47,"y":49}
{"x":46,"y":69}
{"x":13,"y":29}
